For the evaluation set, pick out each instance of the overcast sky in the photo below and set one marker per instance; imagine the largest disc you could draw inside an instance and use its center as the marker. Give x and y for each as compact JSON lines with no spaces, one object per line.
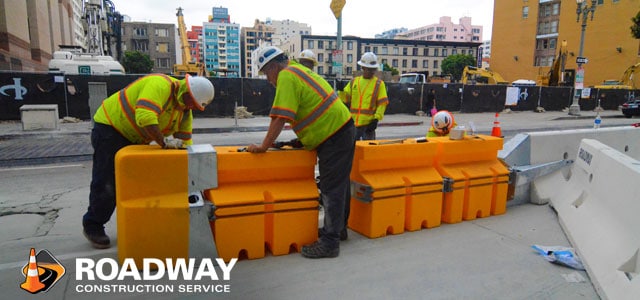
{"x":361,"y":18}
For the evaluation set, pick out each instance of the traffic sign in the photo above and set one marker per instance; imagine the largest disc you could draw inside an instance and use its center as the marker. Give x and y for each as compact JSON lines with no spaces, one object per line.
{"x":336,"y":7}
{"x":581,"y":60}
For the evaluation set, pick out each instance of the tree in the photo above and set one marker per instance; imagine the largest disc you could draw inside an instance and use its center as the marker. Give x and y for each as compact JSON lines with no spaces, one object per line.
{"x":393,"y":71}
{"x":454,"y":65}
{"x":635,"y":28}
{"x":136,"y":62}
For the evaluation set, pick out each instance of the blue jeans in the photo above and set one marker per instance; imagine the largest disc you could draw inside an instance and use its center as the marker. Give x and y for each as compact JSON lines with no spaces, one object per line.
{"x":106,"y":142}
{"x":335,"y":157}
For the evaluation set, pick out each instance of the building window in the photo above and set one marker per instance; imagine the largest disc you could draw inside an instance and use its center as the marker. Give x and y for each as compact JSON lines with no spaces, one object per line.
{"x":349,"y":45}
{"x":140,"y":31}
{"x":435,"y":64}
{"x":425,"y":64}
{"x":404,"y":51}
{"x":414,"y":63}
{"x":320,"y":44}
{"x":415,"y":51}
{"x":385,"y":50}
{"x":425,"y":52}
{"x":162,"y":62}
{"x":320,"y":57}
{"x":436,"y":52}
{"x":404,"y":63}
{"x":444,"y":52}
{"x":320,"y":70}
{"x":394,"y":63}
{"x":142,"y":46}
{"x":162,"y":47}
{"x":349,"y":58}
{"x":309,"y":44}
{"x":384,"y":61}
{"x":375,"y":50}
{"x":162,"y":32}
{"x":395,"y":51}
{"x":525,"y":12}
{"x":367,"y":49}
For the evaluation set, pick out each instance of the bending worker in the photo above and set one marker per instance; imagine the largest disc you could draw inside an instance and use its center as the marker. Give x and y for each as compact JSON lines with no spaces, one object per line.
{"x":150,"y":109}
{"x":366,"y":96}
{"x":321,"y":122}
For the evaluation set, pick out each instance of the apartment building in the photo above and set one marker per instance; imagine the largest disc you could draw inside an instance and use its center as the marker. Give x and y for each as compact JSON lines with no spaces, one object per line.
{"x":445,"y":31}
{"x":527,"y":34}
{"x":221,"y":45}
{"x":154,"y":39}
{"x":252,"y":38}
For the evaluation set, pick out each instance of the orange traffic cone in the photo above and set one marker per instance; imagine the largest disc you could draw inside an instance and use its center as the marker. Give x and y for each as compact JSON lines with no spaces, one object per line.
{"x":32,"y":283}
{"x":496,"y":130}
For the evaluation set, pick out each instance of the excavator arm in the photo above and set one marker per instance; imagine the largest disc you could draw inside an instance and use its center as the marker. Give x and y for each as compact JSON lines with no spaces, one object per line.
{"x":473,"y":73}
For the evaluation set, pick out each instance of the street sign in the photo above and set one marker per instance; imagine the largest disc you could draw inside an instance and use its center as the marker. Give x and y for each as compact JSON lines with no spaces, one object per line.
{"x":336,"y":7}
{"x":581,"y":60}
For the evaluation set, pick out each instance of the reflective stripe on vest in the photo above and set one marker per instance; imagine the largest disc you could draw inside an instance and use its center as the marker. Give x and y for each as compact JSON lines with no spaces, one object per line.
{"x":327,"y":100}
{"x":371,"y":110}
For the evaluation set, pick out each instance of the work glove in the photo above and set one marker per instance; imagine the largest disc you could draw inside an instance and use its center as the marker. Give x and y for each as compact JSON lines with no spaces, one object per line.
{"x":170,"y":143}
{"x":373,"y":125}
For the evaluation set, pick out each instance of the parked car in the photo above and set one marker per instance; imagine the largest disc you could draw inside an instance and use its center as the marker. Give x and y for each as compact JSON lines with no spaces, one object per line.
{"x":631,"y":108}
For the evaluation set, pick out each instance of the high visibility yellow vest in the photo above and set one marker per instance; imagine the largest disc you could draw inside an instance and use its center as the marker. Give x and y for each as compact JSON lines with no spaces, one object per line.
{"x":151,"y":100}
{"x":367,"y":99}
{"x":308,"y":102}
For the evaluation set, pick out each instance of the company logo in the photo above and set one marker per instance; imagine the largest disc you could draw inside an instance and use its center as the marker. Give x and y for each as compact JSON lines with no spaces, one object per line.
{"x":42,"y":272}
{"x":17,"y":87}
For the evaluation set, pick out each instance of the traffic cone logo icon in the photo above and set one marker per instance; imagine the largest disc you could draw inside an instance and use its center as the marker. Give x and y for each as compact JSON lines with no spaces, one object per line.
{"x":32,"y":283}
{"x":496,"y":130}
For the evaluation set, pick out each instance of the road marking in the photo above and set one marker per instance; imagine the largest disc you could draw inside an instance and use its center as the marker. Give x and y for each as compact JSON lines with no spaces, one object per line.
{"x":40,"y":168}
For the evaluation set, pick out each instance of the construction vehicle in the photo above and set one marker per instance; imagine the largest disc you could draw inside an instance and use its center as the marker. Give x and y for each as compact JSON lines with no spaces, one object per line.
{"x":625,"y":83}
{"x":557,"y":75}
{"x":189,"y":65}
{"x":100,"y":22}
{"x":416,"y":77}
{"x":474,"y":75}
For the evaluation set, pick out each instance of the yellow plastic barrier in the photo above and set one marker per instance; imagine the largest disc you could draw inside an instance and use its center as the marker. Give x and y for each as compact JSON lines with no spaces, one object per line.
{"x":264,"y":199}
{"x":476,"y":182}
{"x":152,"y":203}
{"x":395,"y":187}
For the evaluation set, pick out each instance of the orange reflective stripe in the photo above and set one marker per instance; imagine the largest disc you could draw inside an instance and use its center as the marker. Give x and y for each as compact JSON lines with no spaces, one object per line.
{"x":374,"y":95}
{"x":327,"y":99}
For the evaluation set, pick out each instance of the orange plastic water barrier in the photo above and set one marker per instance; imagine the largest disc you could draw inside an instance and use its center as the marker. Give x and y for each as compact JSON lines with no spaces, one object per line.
{"x":152,"y":203}
{"x":264,"y":199}
{"x":476,"y":182}
{"x":395,"y":187}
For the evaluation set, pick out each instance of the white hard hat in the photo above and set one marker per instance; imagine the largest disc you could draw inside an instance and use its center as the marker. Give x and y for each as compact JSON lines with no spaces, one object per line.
{"x":308,"y":54}
{"x":368,"y":60}
{"x":266,"y":54}
{"x":201,"y":89}
{"x":442,"y":121}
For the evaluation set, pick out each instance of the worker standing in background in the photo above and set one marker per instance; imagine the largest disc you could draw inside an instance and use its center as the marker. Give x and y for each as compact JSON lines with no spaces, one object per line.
{"x":308,"y":59}
{"x":431,"y":103}
{"x":441,"y":124}
{"x":321,"y":122}
{"x":366,"y":96}
{"x":150,"y":109}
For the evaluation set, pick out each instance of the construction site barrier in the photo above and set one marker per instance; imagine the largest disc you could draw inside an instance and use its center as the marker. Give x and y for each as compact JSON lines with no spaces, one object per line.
{"x":152,"y":203}
{"x":476,"y":182}
{"x":394,"y":187}
{"x":598,"y":209}
{"x":264,"y":199}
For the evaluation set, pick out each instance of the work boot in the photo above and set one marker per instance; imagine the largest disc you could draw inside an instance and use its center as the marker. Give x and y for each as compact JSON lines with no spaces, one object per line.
{"x":318,"y":250}
{"x":98,"y":239}
{"x":343,"y":234}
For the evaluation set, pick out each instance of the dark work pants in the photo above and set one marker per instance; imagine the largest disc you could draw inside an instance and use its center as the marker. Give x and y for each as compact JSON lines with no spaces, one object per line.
{"x":106,"y":142}
{"x":335,"y":157}
{"x":365,"y":133}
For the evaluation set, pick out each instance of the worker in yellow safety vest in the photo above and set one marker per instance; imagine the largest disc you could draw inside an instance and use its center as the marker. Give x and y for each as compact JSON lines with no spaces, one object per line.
{"x":307,"y":59}
{"x":321,"y":122}
{"x":366,"y":96}
{"x":441,"y":124}
{"x":150,"y":109}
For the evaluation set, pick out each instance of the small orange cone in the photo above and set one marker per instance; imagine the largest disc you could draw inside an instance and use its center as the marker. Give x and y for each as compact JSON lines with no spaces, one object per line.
{"x":496,"y":130}
{"x":32,"y":283}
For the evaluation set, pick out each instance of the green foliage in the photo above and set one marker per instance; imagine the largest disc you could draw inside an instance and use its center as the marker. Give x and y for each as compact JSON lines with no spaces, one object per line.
{"x":635,"y":28}
{"x":136,"y":62}
{"x":454,"y":65}
{"x":394,"y":71}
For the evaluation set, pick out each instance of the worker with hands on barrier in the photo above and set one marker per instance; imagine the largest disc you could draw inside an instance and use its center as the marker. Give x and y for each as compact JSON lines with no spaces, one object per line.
{"x":366,"y":96}
{"x":307,"y":59}
{"x":441,"y":124}
{"x":321,"y":122}
{"x":150,"y":109}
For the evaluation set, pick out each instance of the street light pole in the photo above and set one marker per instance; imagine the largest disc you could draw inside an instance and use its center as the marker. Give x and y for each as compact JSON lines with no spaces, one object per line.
{"x":583,"y":11}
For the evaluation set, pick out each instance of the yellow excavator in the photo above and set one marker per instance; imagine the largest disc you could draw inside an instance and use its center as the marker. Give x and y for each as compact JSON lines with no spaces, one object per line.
{"x":625,"y":83}
{"x":189,"y":65}
{"x":557,"y":75}
{"x":473,"y":75}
